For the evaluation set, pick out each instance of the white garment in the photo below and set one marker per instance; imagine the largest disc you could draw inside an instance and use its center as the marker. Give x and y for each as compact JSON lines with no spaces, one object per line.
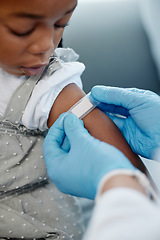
{"x":150,"y":12}
{"x":44,"y":94}
{"x":124,"y":214}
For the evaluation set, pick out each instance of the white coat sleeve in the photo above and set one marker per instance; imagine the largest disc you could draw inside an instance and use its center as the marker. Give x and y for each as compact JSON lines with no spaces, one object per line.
{"x":124,"y":214}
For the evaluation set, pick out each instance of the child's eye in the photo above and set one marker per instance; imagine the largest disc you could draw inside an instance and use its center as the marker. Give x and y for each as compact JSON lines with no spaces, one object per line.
{"x":61,"y":25}
{"x":22,"y":34}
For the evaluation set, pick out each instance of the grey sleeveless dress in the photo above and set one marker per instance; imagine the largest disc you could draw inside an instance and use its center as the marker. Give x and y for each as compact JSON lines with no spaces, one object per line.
{"x":31,"y":207}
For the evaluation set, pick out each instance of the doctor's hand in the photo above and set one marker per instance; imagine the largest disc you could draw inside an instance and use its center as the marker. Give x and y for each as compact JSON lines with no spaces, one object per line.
{"x":76,"y":161}
{"x":141,"y":127}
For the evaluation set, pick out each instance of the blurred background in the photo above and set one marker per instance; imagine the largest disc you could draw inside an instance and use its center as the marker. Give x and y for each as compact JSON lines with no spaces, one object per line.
{"x":112,"y":42}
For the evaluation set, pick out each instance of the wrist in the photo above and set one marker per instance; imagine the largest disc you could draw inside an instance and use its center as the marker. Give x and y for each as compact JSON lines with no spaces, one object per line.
{"x":125,"y":181}
{"x":126,"y":178}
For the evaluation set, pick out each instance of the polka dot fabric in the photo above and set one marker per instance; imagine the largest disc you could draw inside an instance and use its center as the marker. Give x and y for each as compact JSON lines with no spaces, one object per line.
{"x":31,"y":207}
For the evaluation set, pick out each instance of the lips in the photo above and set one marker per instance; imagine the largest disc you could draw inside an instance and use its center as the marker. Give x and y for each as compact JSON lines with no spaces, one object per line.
{"x":32,"y":71}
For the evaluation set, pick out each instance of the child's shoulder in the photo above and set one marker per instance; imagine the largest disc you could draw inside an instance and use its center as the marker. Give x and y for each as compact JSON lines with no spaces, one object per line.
{"x":66,"y":54}
{"x":64,"y":61}
{"x":63,"y":69}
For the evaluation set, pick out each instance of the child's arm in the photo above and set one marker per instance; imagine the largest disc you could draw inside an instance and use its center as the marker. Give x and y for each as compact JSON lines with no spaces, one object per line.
{"x":97,"y":123}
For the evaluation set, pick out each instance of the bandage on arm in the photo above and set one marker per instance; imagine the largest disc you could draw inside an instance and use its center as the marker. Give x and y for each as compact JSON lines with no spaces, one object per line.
{"x":84,"y":106}
{"x":96,"y":122}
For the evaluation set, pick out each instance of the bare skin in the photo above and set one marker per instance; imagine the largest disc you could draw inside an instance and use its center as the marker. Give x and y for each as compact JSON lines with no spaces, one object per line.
{"x":30,"y":31}
{"x":123,"y":181}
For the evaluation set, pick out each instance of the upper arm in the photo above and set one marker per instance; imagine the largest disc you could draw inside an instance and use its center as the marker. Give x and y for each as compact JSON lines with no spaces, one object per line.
{"x":66,"y":99}
{"x":97,"y":123}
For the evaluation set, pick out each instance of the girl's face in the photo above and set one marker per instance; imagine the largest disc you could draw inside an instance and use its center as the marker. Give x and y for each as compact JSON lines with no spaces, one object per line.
{"x":30,"y":30}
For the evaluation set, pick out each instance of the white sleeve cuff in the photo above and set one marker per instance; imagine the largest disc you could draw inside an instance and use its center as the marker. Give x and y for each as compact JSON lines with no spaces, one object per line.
{"x":141,"y":178}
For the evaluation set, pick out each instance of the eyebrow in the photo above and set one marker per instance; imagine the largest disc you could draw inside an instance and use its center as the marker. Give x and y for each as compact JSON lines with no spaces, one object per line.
{"x":34,"y":16}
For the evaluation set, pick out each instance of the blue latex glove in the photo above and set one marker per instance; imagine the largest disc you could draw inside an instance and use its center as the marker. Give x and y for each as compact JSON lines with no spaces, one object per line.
{"x":141,"y":127}
{"x":78,"y":167}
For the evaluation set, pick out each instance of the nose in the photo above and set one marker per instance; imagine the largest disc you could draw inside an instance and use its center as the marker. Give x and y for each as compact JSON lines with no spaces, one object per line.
{"x":43,"y":41}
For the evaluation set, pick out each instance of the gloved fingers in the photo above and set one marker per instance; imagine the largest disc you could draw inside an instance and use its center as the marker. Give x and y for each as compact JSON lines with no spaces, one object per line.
{"x":123,"y":97}
{"x":73,"y":127}
{"x":52,"y":149}
{"x":53,"y":155}
{"x":142,"y":91}
{"x":65,"y":145}
{"x":54,"y":139}
{"x":111,"y":108}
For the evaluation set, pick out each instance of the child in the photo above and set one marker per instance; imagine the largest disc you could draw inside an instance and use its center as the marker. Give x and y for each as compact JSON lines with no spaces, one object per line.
{"x":35,"y":89}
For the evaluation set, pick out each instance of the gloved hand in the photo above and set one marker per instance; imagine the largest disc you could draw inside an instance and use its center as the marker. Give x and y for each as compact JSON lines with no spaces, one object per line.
{"x":141,"y":127}
{"x":78,"y":167}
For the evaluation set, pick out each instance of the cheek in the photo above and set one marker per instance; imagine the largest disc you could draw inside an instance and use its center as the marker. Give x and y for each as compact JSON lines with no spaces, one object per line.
{"x":11,"y":49}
